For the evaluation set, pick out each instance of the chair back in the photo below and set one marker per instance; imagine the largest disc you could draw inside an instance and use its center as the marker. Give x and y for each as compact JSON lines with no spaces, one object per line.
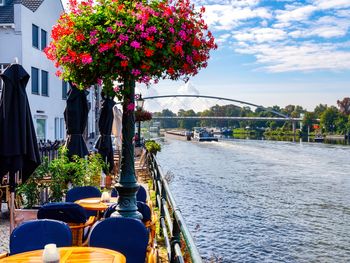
{"x":142,"y":207}
{"x":35,"y":234}
{"x":141,"y":194}
{"x":126,"y":235}
{"x":82,"y":192}
{"x":67,"y":212}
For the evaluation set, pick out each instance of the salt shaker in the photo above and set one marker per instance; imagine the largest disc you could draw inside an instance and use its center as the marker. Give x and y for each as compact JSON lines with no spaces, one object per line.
{"x":51,"y":254}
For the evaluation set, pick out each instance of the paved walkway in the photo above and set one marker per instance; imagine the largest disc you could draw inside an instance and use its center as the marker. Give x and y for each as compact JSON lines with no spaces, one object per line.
{"x":4,"y":229}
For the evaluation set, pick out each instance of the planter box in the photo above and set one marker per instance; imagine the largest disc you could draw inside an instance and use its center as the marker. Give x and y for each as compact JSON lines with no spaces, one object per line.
{"x":22,"y":215}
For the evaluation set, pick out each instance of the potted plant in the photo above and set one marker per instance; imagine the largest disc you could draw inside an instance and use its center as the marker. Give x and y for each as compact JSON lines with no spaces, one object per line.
{"x":152,"y":146}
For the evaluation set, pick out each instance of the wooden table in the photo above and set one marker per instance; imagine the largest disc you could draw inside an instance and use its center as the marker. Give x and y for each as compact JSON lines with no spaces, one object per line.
{"x":71,"y":255}
{"x":95,"y":203}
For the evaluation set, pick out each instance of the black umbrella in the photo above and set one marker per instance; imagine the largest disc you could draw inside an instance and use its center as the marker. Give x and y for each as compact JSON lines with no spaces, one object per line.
{"x":18,"y":145}
{"x":75,"y":116}
{"x":104,"y":142}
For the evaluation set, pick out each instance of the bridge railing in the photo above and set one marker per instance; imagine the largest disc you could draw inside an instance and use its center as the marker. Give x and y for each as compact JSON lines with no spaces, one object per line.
{"x":172,"y":223}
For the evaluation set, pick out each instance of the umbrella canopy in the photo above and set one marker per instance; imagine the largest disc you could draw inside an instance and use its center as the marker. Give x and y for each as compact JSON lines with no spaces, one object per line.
{"x":75,"y":116}
{"x":18,"y":143}
{"x":104,"y":142}
{"x":117,"y":126}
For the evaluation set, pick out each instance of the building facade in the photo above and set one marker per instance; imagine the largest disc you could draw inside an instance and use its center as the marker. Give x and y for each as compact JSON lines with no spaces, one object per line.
{"x":25,"y":28}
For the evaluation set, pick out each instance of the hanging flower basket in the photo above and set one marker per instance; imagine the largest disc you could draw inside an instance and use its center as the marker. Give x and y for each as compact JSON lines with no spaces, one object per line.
{"x":118,"y":40}
{"x":142,"y":115}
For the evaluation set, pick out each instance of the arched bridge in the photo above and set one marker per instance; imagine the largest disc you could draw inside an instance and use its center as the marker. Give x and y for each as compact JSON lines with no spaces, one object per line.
{"x":282,"y":117}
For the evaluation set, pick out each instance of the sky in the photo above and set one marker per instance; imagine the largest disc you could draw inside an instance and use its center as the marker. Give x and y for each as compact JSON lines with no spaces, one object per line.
{"x":277,"y":52}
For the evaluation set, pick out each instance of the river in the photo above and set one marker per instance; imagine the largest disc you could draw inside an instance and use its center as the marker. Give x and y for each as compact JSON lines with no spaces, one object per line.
{"x":263,"y":201}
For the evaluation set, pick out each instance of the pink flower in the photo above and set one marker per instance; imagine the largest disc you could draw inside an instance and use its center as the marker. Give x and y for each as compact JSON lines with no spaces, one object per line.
{"x":86,"y":59}
{"x":116,"y":89}
{"x":99,"y":82}
{"x":93,"y":41}
{"x":93,"y":33}
{"x":103,"y":47}
{"x":131,"y":107}
{"x":58,"y":73}
{"x":171,"y":20}
{"x":172,"y":30}
{"x":123,"y":37}
{"x":110,"y":30}
{"x":135,"y":72}
{"x":135,"y":44}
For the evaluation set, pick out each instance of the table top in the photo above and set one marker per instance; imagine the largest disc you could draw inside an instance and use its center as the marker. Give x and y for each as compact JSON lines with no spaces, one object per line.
{"x":95,"y":203}
{"x":71,"y":255}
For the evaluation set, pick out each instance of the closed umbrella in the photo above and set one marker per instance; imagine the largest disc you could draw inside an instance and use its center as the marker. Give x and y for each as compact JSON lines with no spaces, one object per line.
{"x":117,"y":126}
{"x":75,"y":116}
{"x":18,"y":144}
{"x":104,"y":142}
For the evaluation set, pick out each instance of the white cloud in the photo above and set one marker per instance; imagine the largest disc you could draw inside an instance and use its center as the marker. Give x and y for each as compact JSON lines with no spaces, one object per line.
{"x":282,"y":57}
{"x":328,"y":4}
{"x":260,"y":35}
{"x":297,"y":14}
{"x":226,"y":17}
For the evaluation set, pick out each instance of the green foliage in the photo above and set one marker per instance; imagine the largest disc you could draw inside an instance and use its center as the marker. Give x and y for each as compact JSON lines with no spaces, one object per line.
{"x":62,"y":172}
{"x":152,"y":146}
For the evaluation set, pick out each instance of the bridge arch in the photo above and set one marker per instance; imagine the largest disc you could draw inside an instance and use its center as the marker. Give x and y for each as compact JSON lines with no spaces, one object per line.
{"x":219,"y":98}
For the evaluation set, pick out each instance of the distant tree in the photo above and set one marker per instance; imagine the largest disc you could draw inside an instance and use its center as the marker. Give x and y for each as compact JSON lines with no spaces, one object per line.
{"x":344,"y":105}
{"x":166,"y":123}
{"x":308,"y":120}
{"x":328,"y":118}
{"x":319,"y":109}
{"x":187,"y":124}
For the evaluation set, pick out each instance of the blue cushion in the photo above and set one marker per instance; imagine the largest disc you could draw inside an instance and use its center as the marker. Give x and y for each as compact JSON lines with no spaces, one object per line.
{"x":126,"y":235}
{"x":35,"y":234}
{"x":142,"y":207}
{"x":82,"y":192}
{"x":67,"y":212}
{"x":141,"y":194}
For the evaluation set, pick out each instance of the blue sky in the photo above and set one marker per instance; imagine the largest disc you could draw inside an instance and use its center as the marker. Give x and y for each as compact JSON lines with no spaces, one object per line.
{"x":274,"y":53}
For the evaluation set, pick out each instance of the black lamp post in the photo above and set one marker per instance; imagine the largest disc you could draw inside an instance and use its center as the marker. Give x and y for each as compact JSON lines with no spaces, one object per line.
{"x":139,"y":105}
{"x":127,"y":185}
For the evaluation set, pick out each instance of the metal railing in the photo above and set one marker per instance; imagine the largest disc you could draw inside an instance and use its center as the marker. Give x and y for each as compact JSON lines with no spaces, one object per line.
{"x":172,"y":223}
{"x":49,"y":149}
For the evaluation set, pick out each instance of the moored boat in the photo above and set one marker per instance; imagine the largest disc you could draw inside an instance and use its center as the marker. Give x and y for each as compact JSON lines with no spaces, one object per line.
{"x":203,"y":135}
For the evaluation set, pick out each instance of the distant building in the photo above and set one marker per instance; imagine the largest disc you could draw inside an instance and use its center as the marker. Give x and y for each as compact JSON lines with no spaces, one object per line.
{"x":25,"y":27}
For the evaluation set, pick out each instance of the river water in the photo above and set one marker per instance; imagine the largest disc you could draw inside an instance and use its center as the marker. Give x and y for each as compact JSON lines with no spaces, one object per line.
{"x":263,"y":201}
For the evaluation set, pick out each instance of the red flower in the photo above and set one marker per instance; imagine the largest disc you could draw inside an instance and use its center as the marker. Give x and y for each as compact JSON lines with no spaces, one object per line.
{"x":148,"y":52}
{"x":171,"y":71}
{"x":80,"y":37}
{"x":159,"y":45}
{"x":124,"y":63}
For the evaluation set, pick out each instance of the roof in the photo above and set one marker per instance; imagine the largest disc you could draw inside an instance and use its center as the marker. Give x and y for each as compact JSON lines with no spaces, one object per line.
{"x":7,"y":11}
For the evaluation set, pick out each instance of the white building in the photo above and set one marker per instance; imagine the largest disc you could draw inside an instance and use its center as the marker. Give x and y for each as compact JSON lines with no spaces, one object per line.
{"x":25,"y":27}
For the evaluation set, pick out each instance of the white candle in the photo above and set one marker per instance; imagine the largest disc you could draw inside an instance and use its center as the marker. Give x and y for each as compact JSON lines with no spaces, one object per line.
{"x":51,"y":254}
{"x":105,"y":197}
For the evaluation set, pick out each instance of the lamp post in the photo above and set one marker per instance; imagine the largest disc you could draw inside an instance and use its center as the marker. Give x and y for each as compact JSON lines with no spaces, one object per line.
{"x":139,"y":105}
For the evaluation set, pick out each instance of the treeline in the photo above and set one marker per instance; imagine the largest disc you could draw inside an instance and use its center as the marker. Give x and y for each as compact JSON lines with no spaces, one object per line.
{"x":323,"y":118}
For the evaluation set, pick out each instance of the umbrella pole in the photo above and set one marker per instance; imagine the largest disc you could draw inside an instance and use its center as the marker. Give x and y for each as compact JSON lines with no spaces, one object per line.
{"x":12,"y":179}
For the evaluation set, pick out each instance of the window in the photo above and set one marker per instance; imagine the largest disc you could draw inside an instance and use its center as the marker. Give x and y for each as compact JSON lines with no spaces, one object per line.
{"x":44,"y":83}
{"x":62,"y":128}
{"x":35,"y":80}
{"x":41,"y":129}
{"x":2,"y":69}
{"x":43,"y":39}
{"x":35,"y":36}
{"x":57,"y":128}
{"x":2,"y":2}
{"x":65,"y":88}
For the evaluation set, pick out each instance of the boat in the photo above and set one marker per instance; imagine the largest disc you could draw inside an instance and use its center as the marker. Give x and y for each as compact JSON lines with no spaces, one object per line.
{"x":203,"y":135}
{"x":319,"y":138}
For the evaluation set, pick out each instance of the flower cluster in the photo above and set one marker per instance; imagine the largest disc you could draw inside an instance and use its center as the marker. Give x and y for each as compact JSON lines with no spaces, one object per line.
{"x":114,"y":40}
{"x":142,"y":115}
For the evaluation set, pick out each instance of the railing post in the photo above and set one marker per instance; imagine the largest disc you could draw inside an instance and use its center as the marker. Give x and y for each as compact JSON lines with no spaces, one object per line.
{"x":175,"y":239}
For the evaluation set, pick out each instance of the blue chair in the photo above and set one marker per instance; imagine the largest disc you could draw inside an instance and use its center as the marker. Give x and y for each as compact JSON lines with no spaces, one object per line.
{"x":72,"y":214}
{"x":126,"y":235}
{"x":141,"y":194}
{"x":35,"y":234}
{"x":147,"y":218}
{"x":82,"y":192}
